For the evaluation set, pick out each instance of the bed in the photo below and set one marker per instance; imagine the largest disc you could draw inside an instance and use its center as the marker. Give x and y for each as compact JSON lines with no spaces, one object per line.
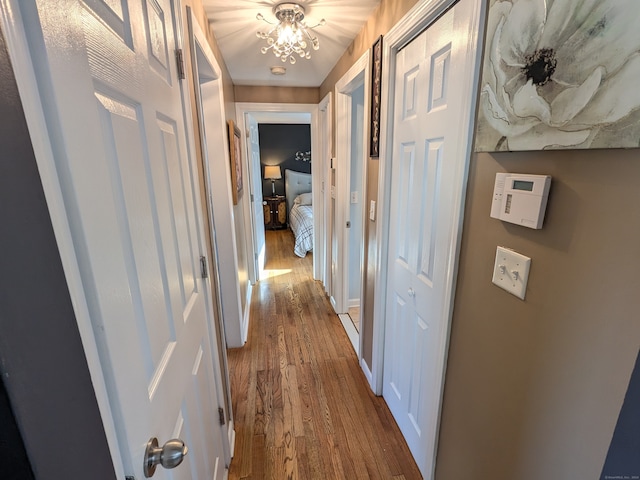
{"x":298,"y":191}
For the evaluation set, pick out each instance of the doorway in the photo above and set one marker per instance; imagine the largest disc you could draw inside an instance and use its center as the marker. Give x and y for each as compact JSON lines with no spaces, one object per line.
{"x":211,"y":127}
{"x":356,"y":227}
{"x":347,"y":245}
{"x":268,"y":113}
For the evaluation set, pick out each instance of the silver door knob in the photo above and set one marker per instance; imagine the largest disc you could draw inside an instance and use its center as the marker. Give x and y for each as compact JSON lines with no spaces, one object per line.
{"x":411,"y":293}
{"x":170,"y":455}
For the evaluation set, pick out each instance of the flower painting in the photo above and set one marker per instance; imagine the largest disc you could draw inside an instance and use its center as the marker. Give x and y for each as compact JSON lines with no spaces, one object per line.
{"x":560,"y":74}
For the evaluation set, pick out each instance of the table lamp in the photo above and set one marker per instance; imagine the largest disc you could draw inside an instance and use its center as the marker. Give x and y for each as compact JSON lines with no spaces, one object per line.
{"x":272,"y":172}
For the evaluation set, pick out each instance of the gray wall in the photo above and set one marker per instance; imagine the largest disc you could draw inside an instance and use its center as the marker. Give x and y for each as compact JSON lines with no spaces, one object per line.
{"x":42,"y":359}
{"x":278,"y":146}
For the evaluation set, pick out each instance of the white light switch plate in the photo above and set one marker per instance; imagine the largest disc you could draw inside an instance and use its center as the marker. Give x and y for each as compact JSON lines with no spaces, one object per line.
{"x":511,"y":271}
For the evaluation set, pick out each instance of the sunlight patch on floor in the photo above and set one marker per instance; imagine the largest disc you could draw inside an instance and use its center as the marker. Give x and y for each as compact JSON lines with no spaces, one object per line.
{"x":274,"y":273}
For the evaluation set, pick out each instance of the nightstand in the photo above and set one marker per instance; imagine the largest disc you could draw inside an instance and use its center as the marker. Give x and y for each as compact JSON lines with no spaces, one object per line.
{"x":275,"y":212}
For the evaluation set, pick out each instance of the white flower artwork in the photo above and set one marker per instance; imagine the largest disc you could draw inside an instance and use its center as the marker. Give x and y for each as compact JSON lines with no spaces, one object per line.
{"x":560,"y":74}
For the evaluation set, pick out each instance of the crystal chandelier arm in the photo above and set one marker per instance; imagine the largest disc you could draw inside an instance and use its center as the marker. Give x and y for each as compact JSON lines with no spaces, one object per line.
{"x":321,"y":23}
{"x":259,"y":16}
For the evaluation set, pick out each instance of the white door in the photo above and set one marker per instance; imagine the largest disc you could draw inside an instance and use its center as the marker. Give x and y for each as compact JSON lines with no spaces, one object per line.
{"x":114,"y":110}
{"x":428,"y":172}
{"x":256,"y":180}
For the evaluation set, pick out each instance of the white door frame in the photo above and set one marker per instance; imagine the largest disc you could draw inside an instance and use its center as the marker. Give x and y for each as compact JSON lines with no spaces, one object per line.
{"x":283,"y":113}
{"x":412,"y":24}
{"x":199,"y":41}
{"x":343,"y":90}
{"x":218,"y":173}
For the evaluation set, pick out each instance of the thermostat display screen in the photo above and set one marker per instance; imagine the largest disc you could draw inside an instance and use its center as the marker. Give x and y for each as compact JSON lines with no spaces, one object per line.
{"x":523,"y":185}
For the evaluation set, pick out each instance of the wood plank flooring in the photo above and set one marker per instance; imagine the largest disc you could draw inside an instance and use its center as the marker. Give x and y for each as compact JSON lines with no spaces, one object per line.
{"x":302,"y":406}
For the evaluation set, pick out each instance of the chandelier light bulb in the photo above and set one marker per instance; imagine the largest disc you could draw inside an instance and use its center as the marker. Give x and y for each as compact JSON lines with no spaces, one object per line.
{"x":291,"y":35}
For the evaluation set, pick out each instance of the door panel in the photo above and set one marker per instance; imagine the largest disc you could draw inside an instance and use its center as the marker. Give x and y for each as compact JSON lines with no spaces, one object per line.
{"x":425,"y":185}
{"x":256,"y":174}
{"x":130,"y":190}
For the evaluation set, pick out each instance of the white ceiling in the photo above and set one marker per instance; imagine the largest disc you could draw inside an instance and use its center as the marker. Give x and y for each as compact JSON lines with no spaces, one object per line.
{"x":234,"y":25}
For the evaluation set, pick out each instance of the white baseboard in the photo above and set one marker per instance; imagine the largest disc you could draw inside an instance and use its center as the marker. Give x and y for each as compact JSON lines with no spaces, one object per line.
{"x":367,"y":374}
{"x":352,"y":333}
{"x":333,"y":303}
{"x":247,"y":314}
{"x":232,"y":438}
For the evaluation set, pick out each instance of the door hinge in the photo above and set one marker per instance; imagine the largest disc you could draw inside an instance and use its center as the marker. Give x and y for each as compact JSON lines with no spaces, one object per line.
{"x":204,"y":269}
{"x":221,"y":415}
{"x":251,"y":195}
{"x":180,"y":62}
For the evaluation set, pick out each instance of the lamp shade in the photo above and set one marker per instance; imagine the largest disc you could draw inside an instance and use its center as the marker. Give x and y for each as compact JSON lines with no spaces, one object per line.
{"x":272,"y":171}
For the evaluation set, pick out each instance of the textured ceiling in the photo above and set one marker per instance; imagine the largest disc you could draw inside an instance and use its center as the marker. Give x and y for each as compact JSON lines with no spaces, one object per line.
{"x":234,"y":25}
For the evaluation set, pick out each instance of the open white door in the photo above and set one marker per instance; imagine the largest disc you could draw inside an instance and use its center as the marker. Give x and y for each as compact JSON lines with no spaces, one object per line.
{"x":433,"y":102}
{"x":253,"y":147}
{"x":115,"y":114}
{"x":324,"y":248}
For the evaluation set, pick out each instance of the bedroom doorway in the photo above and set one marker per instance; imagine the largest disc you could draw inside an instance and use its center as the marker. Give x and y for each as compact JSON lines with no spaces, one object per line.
{"x":269,"y":113}
{"x":348,"y":243}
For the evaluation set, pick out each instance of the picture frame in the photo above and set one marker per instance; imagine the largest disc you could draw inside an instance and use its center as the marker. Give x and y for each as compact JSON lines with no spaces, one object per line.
{"x":235,"y":157}
{"x":550,"y":84}
{"x":376,"y":93}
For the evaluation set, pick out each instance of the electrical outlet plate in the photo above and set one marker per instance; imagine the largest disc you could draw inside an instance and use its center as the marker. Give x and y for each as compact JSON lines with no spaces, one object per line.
{"x":511,"y":271}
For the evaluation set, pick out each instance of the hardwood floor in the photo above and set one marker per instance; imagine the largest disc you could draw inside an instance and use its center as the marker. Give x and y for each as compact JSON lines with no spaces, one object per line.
{"x":302,"y":406}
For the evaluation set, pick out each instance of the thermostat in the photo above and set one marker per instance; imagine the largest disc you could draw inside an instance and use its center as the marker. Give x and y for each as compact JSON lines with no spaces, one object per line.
{"x":520,"y":198}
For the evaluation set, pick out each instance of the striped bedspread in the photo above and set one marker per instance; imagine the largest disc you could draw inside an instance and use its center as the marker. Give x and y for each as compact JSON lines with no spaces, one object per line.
{"x":301,"y":222}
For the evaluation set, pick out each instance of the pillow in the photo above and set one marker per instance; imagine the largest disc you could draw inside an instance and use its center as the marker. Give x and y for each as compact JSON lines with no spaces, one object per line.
{"x":303,"y":199}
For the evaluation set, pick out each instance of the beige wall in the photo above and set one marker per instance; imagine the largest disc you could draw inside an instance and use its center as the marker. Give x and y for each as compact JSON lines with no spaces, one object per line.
{"x":266,"y":94}
{"x":388,"y":13}
{"x":533,"y":388}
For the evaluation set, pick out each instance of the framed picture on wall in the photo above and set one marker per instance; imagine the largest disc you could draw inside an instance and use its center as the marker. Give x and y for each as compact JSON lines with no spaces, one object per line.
{"x":236,"y":161}
{"x":559,"y":75}
{"x":376,"y":92}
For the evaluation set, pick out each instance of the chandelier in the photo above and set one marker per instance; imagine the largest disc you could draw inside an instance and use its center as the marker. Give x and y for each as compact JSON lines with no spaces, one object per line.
{"x":291,"y":36}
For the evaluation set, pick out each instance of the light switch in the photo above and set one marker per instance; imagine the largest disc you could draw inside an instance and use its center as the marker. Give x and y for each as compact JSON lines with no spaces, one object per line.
{"x":372,"y":211}
{"x":511,"y":271}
